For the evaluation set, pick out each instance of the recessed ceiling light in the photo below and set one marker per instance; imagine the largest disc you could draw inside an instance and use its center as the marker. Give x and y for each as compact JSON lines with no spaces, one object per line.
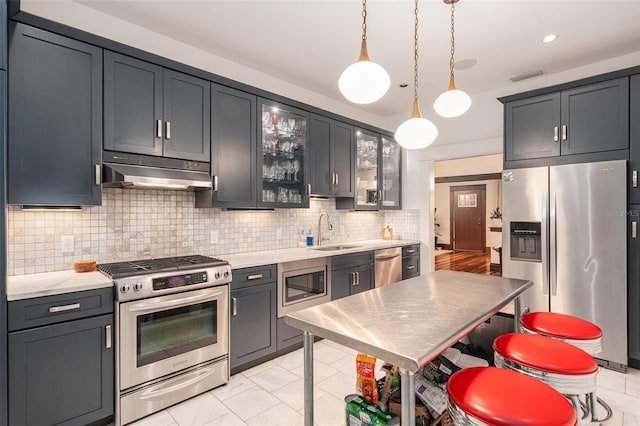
{"x":549,"y":38}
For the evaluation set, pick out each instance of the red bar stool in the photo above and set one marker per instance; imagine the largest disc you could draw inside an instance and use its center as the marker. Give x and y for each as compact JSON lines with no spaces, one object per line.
{"x":575,"y":331}
{"x":566,"y":368}
{"x":498,"y":397}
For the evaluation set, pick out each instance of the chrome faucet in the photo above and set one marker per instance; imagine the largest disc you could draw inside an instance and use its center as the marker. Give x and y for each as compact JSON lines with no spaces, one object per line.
{"x":319,"y":240}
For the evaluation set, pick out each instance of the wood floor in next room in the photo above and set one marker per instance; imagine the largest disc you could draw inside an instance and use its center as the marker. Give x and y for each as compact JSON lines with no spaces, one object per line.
{"x":464,"y":261}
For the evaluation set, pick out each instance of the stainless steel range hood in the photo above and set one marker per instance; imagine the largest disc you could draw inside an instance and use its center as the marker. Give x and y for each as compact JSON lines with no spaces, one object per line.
{"x":138,"y":171}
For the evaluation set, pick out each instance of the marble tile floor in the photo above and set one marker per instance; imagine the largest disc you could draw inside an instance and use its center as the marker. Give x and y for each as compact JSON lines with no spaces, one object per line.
{"x":271,"y":394}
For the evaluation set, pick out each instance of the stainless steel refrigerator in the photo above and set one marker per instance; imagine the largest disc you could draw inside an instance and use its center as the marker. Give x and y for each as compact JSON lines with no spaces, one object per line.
{"x":564,"y":228}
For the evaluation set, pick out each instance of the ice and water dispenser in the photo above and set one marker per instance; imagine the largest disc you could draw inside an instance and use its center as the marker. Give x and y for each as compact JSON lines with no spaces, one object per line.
{"x":526,"y":241}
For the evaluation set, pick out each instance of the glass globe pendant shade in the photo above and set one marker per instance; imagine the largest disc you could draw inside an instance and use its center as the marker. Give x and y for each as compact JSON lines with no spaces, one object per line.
{"x":416,"y":132}
{"x":453,"y":102}
{"x":364,"y":82}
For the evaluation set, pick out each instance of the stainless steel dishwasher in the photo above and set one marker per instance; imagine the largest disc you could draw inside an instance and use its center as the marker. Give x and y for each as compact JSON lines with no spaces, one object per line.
{"x":388,"y":266}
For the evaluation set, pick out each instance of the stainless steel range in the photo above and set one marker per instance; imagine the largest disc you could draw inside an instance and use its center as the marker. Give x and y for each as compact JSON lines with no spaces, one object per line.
{"x":172,"y":331}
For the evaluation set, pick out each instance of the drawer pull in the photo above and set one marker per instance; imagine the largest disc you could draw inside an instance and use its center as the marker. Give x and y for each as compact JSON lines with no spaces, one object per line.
{"x":411,"y":267}
{"x":107,"y":332}
{"x":410,"y":250}
{"x":54,"y":309}
{"x":254,"y":277}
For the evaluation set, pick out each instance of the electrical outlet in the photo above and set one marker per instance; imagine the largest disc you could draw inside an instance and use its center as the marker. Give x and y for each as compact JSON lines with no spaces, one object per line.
{"x":213,"y":237}
{"x":279,"y":234}
{"x":413,"y":229}
{"x":67,"y":244}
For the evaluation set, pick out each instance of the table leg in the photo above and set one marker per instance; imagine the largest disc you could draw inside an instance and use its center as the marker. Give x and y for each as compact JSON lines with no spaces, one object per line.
{"x":408,"y":397}
{"x":516,"y":314}
{"x":308,"y":378}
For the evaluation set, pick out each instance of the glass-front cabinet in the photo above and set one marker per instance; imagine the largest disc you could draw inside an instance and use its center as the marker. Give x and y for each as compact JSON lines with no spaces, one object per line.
{"x":390,"y":168}
{"x":367,"y":186}
{"x":282,"y":162}
{"x":378,"y":173}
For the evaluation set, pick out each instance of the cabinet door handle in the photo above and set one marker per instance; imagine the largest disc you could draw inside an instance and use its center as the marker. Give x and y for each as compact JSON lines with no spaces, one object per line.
{"x":564,"y":132}
{"x":98,"y":169}
{"x":634,"y":229}
{"x":308,"y":189}
{"x":380,"y":196}
{"x":215,"y":183}
{"x":254,"y":277}
{"x":168,"y":130}
{"x":337,"y":179}
{"x":64,"y":308}
{"x":555,"y":134}
{"x":107,"y":332}
{"x":353,"y":278}
{"x":158,"y":128}
{"x":634,"y":179}
{"x":234,"y":308}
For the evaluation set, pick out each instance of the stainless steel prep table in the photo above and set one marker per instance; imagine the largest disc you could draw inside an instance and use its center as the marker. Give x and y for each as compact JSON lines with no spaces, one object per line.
{"x":407,"y":323}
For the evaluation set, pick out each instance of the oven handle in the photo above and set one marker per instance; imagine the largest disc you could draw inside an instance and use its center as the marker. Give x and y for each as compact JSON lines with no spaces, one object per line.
{"x":173,"y":303}
{"x":152,"y":394}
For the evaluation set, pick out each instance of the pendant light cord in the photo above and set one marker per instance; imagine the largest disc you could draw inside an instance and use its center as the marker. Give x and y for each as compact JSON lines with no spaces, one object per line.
{"x":364,"y":19}
{"x":415,"y":53}
{"x":453,"y":40}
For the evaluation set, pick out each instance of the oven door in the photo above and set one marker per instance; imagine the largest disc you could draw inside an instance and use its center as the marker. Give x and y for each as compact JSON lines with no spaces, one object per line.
{"x":166,"y":334}
{"x":303,"y":288}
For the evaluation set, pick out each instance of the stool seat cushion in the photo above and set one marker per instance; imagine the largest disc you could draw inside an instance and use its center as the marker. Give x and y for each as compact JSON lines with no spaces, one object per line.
{"x":545,"y":354}
{"x":503,"y":397}
{"x":560,"y":326}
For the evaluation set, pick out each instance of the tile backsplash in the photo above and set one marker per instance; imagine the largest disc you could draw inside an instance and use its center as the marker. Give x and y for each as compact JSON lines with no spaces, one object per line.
{"x":136,"y":224}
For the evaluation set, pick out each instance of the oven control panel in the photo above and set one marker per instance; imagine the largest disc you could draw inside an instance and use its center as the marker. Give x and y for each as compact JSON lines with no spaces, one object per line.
{"x":179,"y":280}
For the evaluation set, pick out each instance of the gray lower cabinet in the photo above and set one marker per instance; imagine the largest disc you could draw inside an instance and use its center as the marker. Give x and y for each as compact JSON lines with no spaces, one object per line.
{"x":253,"y":315}
{"x":633,"y":289}
{"x":233,"y":150}
{"x":61,"y":372}
{"x":634,"y":145}
{"x":55,"y":119}
{"x":410,"y":261}
{"x":152,"y":110}
{"x":332,"y":157}
{"x":351,"y":274}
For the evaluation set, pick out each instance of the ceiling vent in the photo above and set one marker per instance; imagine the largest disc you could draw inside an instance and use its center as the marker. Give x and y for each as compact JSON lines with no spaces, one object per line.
{"x":526,"y":75}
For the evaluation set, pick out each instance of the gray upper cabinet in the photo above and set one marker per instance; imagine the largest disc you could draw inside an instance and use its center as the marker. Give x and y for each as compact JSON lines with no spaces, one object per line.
{"x":595,"y":117}
{"x":155,"y":111}
{"x":332,"y":157}
{"x":634,"y":163}
{"x":532,"y":127}
{"x":133,"y":104}
{"x":587,"y":119}
{"x":55,"y":120}
{"x":233,"y":150}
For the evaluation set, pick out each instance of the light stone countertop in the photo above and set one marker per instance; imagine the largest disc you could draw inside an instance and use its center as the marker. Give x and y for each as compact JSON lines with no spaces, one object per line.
{"x":268,"y":257}
{"x":50,"y":283}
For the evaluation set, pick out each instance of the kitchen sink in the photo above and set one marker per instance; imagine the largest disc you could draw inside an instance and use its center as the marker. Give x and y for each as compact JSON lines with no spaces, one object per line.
{"x":332,"y":248}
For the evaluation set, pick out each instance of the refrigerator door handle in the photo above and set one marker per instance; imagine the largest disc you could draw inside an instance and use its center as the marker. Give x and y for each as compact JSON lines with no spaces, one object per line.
{"x":553,"y":252}
{"x":545,"y":245}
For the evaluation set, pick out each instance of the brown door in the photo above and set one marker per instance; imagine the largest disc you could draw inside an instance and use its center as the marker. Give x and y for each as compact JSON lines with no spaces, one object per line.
{"x":468,"y":217}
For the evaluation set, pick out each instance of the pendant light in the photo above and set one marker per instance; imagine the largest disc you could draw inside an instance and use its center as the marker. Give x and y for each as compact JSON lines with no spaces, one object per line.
{"x":416,"y":132}
{"x":365,"y":81}
{"x":453,"y":102}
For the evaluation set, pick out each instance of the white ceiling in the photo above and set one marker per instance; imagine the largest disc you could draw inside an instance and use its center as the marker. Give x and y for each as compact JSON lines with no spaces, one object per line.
{"x":309,"y":43}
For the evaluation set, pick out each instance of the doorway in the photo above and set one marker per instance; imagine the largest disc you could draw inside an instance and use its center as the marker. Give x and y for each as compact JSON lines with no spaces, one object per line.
{"x":467,"y":209}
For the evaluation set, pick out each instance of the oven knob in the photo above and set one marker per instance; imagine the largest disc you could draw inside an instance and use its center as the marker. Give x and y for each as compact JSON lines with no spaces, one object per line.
{"x":218,"y":275}
{"x":226,"y":274}
{"x":125,"y":288}
{"x":137,"y":286}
